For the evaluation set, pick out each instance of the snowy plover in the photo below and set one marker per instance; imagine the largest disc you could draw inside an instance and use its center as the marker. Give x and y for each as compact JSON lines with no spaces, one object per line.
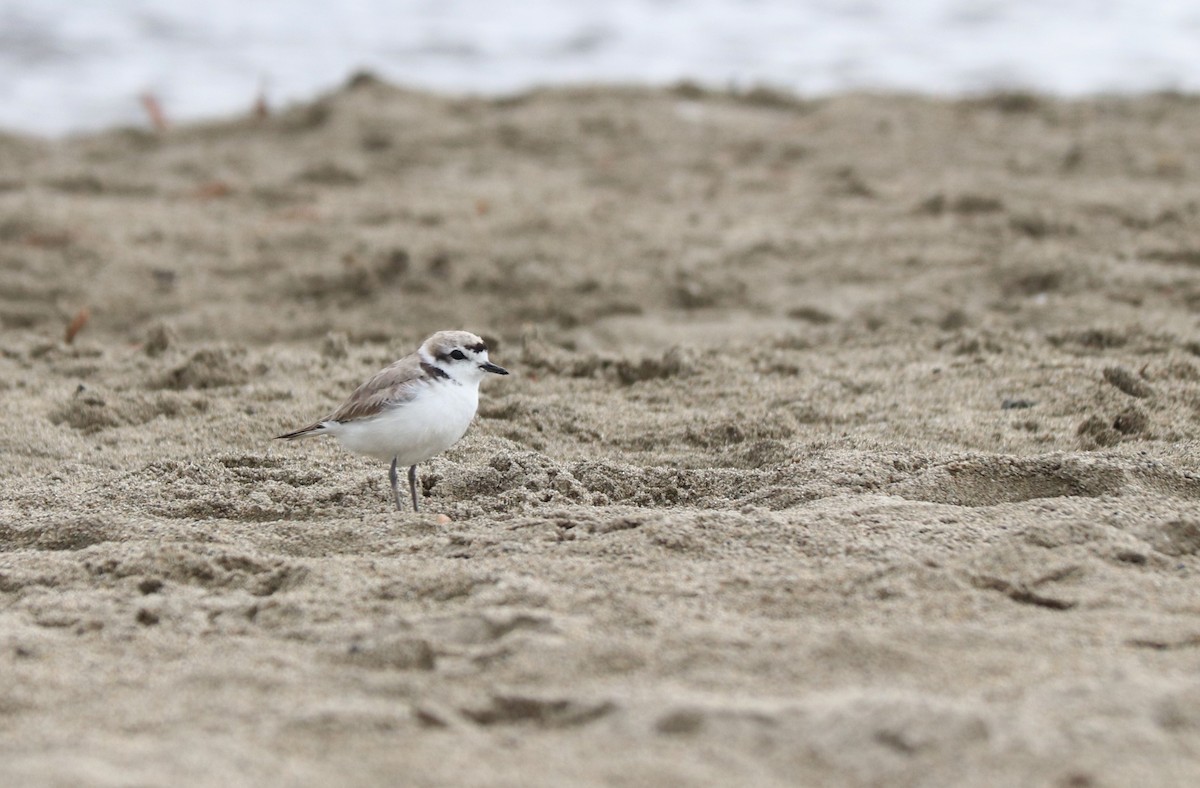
{"x":413,"y":409}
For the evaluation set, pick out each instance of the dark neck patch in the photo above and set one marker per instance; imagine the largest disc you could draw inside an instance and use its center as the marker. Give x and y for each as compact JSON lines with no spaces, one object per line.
{"x":434,"y":373}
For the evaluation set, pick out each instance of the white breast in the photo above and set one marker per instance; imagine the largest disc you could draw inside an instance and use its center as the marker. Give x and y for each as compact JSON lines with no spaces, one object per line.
{"x":417,"y":430}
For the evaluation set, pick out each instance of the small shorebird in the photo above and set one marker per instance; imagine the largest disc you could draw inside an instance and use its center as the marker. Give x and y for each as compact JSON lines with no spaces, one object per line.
{"x":413,"y":409}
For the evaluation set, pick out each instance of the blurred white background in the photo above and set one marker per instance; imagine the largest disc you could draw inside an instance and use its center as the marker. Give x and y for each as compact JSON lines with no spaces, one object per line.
{"x":71,"y":65}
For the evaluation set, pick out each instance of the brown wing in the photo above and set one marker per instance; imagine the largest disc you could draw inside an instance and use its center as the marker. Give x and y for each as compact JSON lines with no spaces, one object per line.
{"x":394,"y":385}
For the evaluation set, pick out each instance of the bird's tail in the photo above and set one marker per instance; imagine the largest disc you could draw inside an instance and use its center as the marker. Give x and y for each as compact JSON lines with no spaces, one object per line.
{"x":307,"y":432}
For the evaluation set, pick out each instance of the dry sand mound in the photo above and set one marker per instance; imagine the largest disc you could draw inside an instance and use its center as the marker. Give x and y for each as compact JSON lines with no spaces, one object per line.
{"x":850,"y":442}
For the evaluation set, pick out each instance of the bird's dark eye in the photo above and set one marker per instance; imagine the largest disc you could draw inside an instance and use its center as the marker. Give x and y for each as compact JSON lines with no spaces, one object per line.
{"x":458,"y":355}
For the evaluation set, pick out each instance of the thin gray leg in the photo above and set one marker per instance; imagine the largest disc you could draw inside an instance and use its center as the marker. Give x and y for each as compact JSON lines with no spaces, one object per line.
{"x":412,"y":485}
{"x":395,"y":477}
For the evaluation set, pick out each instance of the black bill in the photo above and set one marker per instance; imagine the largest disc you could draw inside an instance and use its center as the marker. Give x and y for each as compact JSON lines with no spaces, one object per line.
{"x":490,"y":367}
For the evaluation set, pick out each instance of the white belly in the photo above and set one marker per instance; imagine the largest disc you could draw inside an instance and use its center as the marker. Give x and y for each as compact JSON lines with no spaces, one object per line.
{"x":415,"y":431}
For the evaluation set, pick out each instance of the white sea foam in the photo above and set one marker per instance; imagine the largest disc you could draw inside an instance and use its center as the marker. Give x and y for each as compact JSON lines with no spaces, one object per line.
{"x":68,"y":65}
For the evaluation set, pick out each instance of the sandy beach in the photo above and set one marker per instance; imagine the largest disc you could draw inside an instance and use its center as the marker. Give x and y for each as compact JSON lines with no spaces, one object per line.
{"x":849,"y":442}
